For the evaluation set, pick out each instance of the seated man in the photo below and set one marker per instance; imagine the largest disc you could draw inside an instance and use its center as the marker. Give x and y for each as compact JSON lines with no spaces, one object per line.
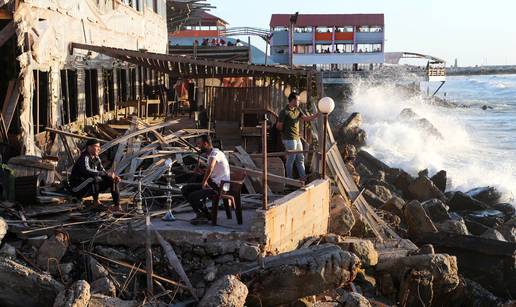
{"x":89,"y":178}
{"x":217,"y":171}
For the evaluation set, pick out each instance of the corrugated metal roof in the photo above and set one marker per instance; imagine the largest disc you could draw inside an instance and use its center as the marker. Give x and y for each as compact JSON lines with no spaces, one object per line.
{"x":306,"y":20}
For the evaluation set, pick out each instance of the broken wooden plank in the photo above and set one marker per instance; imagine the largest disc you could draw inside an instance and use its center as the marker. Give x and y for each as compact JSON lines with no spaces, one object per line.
{"x":78,"y":136}
{"x":10,"y":102}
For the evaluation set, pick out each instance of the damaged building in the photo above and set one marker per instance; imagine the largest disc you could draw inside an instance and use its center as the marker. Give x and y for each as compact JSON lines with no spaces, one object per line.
{"x":42,"y":84}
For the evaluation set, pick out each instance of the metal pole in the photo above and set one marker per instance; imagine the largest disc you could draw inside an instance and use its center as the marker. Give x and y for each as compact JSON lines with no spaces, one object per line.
{"x":148,"y":256}
{"x":264,"y":161}
{"x":323,"y":173}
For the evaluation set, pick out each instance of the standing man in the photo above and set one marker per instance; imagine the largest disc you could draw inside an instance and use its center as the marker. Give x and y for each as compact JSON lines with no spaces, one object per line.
{"x":216,"y":172}
{"x":89,"y":178}
{"x":288,"y":124}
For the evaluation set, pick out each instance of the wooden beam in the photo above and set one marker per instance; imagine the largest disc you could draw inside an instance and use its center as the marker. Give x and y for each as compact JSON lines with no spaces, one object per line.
{"x":6,"y":33}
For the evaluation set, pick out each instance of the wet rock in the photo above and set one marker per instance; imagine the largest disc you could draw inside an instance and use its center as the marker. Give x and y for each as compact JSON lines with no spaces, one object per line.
{"x":353,"y":121}
{"x":363,"y":249}
{"x":103,"y":286}
{"x":493,"y":234}
{"x":395,"y":206}
{"x":489,"y":218}
{"x":382,"y":192}
{"x":77,"y":295}
{"x":417,"y":219}
{"x":352,"y":170}
{"x":455,"y":224}
{"x":460,"y":201}
{"x":408,"y":113}
{"x":402,"y":180}
{"x":248,"y":252}
{"x":428,"y":127}
{"x":354,"y":136}
{"x":470,"y":293}
{"x":8,"y":250}
{"x":440,"y":180}
{"x":52,"y":250}
{"x":508,"y":230}
{"x":353,"y":299}
{"x":99,"y":300}
{"x":227,"y":291}
{"x":98,"y":271}
{"x":507,"y":209}
{"x":22,"y":286}
{"x":373,"y":199}
{"x":374,"y":164}
{"x":436,"y":210}
{"x":342,"y":219}
{"x":487,"y":195}
{"x":3,"y":229}
{"x":475,"y":228}
{"x":423,"y":189}
{"x":301,"y":273}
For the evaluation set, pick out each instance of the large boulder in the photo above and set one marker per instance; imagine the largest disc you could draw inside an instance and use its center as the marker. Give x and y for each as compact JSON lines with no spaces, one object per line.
{"x":353,"y":121}
{"x":455,"y":224}
{"x":508,"y":230}
{"x":401,"y":180}
{"x":437,"y":210}
{"x":417,"y":219}
{"x":354,"y":136}
{"x":304,"y":272}
{"x":22,"y":286}
{"x":348,"y":152}
{"x":493,"y":234}
{"x":77,"y":295}
{"x":509,"y":210}
{"x":423,"y":189}
{"x":364,"y":249}
{"x":395,"y":206}
{"x":475,"y":228}
{"x":381,"y":191}
{"x":488,"y":195}
{"x":469,"y":293}
{"x":342,"y":218}
{"x":440,"y":179}
{"x":460,"y":201}
{"x":227,"y":291}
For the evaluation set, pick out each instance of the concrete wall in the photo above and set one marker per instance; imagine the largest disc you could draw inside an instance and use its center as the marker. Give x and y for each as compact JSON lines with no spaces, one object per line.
{"x":295,"y":217}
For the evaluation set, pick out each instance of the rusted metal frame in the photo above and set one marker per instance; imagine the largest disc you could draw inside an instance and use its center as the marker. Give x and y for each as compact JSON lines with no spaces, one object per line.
{"x":120,"y":53}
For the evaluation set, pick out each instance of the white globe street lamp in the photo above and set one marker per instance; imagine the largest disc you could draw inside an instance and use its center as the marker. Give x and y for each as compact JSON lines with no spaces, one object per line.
{"x":326,"y":106}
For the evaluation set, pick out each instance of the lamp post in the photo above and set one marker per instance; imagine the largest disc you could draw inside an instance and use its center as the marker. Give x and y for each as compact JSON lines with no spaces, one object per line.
{"x":326,"y":106}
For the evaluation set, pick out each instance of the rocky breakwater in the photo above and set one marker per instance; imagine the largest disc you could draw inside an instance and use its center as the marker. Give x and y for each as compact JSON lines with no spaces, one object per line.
{"x":474,"y":225}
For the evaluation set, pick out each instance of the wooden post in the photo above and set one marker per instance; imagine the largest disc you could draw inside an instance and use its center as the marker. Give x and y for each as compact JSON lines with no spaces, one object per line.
{"x":148,"y":256}
{"x":325,"y":127}
{"x":37,"y":101}
{"x":265,"y":167}
{"x":266,"y":51}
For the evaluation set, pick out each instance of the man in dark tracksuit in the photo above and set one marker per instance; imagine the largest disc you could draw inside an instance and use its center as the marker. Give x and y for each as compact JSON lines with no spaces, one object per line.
{"x":89,"y":178}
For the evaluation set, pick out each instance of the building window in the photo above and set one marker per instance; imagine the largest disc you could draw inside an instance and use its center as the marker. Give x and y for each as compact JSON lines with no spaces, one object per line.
{"x":278,"y":29}
{"x":303,"y":49}
{"x":344,"y":48}
{"x":69,"y":96}
{"x":40,"y":101}
{"x":303,"y":30}
{"x":323,"y":48}
{"x":92,"y":92}
{"x":370,"y":29}
{"x":344,"y":29}
{"x":324,"y":29}
{"x":369,"y":48}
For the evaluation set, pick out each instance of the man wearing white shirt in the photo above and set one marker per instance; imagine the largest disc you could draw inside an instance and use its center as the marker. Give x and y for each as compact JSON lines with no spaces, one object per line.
{"x":216,"y":172}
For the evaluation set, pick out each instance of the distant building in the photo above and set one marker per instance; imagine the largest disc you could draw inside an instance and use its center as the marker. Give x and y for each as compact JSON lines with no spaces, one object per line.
{"x":329,"y":41}
{"x":203,"y":26}
{"x":456,"y":63}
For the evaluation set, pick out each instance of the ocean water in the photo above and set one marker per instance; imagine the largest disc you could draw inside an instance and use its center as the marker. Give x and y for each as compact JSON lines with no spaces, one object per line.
{"x":477,"y":148}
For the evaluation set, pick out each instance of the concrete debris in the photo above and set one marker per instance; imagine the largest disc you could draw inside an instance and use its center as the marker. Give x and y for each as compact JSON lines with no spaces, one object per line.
{"x":77,"y":295}
{"x":284,"y":278}
{"x":227,"y":291}
{"x":52,"y":250}
{"x":22,"y":286}
{"x":353,"y":299}
{"x":103,"y":286}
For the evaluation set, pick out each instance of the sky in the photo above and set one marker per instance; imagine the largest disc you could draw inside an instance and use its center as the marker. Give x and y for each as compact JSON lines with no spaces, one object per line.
{"x":476,"y":32}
